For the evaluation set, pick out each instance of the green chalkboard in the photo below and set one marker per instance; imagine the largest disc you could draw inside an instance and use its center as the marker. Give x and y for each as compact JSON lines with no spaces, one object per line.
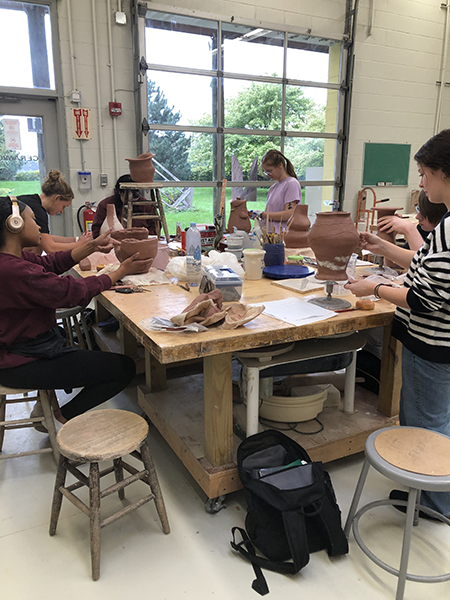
{"x":386,"y":163}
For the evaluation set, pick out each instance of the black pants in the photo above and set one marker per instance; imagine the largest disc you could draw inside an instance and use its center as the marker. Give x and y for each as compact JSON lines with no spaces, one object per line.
{"x":102,"y":375}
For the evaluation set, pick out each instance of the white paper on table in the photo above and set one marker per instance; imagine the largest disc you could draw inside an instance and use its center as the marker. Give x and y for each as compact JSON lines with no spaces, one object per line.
{"x":296,"y":311}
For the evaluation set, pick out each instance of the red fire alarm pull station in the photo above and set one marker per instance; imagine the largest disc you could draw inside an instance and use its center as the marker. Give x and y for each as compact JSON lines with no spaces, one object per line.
{"x":115,"y":109}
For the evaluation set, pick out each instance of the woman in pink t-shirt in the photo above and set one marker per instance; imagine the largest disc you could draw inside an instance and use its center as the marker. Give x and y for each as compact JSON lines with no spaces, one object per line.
{"x":284,"y":194}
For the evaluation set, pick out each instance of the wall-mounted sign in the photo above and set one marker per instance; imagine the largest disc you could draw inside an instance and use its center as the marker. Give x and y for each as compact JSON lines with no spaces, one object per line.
{"x":12,"y":134}
{"x":81,"y":124}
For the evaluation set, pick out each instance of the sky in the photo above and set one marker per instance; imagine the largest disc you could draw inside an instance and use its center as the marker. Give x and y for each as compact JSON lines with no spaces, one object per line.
{"x":16,"y":70}
{"x":187,"y":94}
{"x":240,"y":57}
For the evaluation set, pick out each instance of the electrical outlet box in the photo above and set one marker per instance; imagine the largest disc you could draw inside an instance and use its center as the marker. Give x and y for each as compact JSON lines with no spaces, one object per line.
{"x":84,"y":180}
{"x":75,"y":96}
{"x":103,"y":179}
{"x":121,"y":18}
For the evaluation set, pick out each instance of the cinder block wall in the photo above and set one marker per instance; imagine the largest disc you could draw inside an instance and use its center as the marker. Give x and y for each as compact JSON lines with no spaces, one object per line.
{"x":396,"y":70}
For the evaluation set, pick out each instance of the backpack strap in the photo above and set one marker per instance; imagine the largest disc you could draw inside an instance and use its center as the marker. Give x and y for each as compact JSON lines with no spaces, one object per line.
{"x":295,"y":529}
{"x":260,"y":583}
{"x":294,"y":524}
{"x":338,"y":544}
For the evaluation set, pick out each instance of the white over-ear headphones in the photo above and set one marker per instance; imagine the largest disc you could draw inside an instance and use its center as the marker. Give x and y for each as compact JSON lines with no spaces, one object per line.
{"x":14,"y":223}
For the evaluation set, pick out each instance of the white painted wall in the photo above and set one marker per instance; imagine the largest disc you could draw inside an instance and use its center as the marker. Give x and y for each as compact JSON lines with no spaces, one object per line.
{"x":395,"y":89}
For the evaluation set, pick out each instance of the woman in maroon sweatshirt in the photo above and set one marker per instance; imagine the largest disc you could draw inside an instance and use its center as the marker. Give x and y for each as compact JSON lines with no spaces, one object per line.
{"x":33,"y":353}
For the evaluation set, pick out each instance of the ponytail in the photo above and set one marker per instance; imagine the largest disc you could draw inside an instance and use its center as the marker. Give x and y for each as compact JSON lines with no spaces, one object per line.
{"x":275,"y":158}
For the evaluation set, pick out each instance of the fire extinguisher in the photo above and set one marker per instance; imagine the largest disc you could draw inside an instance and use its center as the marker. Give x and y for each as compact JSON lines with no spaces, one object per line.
{"x":88,"y":216}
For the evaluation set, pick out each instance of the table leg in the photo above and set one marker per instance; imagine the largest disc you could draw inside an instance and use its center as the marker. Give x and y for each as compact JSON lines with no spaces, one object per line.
{"x":349,"y":386}
{"x":218,"y":399}
{"x":390,"y":375}
{"x":252,"y":375}
{"x":155,"y":373}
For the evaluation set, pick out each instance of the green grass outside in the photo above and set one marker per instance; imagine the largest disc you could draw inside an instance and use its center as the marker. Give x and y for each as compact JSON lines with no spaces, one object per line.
{"x":202,"y":205}
{"x":202,"y":208}
{"x":17,"y":188}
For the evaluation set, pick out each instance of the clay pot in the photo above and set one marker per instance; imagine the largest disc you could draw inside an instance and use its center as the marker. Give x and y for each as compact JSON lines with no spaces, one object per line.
{"x":333,"y":238}
{"x":299,"y":224}
{"x":137,"y":233}
{"x":147,"y":248}
{"x":239,"y":216}
{"x":387,"y":211}
{"x":142,"y":169}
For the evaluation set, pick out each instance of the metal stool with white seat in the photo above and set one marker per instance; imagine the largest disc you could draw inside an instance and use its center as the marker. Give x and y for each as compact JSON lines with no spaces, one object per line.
{"x":47,"y":400}
{"x":413,"y":457}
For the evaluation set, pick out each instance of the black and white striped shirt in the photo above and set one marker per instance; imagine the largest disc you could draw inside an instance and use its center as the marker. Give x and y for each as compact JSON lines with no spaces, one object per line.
{"x":424,"y":328}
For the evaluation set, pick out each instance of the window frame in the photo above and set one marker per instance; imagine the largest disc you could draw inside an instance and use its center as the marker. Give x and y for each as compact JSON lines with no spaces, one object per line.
{"x":142,"y":68}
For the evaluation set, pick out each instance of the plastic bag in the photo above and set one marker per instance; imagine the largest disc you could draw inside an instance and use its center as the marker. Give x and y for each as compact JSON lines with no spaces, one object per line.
{"x":176,"y":267}
{"x":157,"y":324}
{"x":228,"y":259}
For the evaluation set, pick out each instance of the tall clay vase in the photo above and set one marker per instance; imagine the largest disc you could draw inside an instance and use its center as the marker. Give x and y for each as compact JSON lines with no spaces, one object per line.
{"x":142,"y":169}
{"x":298,"y":224}
{"x":333,"y":238}
{"x":239,"y":216}
{"x":387,"y":211}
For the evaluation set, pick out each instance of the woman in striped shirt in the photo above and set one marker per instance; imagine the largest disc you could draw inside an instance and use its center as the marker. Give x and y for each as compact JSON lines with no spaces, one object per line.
{"x":422,"y":318}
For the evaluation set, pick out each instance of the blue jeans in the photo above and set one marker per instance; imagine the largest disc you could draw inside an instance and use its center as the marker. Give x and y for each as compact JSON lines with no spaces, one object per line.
{"x":425,"y":402}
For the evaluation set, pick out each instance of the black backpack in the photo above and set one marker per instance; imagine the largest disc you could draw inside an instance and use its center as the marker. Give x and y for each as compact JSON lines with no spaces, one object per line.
{"x":292,"y":509}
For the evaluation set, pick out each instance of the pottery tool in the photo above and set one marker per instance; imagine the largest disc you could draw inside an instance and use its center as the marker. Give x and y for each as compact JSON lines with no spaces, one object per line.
{"x":219,"y":218}
{"x":184,"y":286}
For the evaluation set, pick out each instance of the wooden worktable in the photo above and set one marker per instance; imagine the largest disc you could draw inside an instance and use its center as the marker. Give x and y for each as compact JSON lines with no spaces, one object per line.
{"x":195,"y":414}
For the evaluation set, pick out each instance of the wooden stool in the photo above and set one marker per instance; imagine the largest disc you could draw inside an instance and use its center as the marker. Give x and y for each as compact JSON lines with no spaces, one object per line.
{"x":93,"y":437}
{"x":47,"y":400}
{"x":69,"y":317}
{"x":418,"y":459}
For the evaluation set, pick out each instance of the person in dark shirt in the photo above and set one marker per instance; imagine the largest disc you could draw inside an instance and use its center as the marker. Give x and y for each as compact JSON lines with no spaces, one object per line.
{"x":33,"y":353}
{"x":118,"y":199}
{"x":428,"y":216}
{"x":56,"y":196}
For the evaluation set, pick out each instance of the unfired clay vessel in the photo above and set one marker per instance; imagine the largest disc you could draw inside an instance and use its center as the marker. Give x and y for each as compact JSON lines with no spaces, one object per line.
{"x":299,"y":224}
{"x":387,"y":211}
{"x":147,"y":248}
{"x":142,"y":169}
{"x":239,"y":216}
{"x":132,"y":240}
{"x":333,"y":238}
{"x":137,"y":233}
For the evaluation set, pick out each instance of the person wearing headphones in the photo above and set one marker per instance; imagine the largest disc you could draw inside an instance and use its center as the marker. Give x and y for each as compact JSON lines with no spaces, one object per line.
{"x":33,"y":352}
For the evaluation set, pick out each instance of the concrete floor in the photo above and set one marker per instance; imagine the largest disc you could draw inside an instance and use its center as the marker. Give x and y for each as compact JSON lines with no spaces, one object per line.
{"x":195,"y":561}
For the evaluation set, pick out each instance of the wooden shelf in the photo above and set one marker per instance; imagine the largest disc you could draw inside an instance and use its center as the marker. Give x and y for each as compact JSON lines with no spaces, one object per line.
{"x":179,"y":416}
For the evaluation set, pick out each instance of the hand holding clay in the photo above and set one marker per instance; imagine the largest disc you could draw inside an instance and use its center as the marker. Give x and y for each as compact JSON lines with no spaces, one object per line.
{"x":373,"y":243}
{"x":362,"y":287}
{"x":133,"y":265}
{"x":103,"y":243}
{"x":395,"y":223}
{"x":85,"y":237}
